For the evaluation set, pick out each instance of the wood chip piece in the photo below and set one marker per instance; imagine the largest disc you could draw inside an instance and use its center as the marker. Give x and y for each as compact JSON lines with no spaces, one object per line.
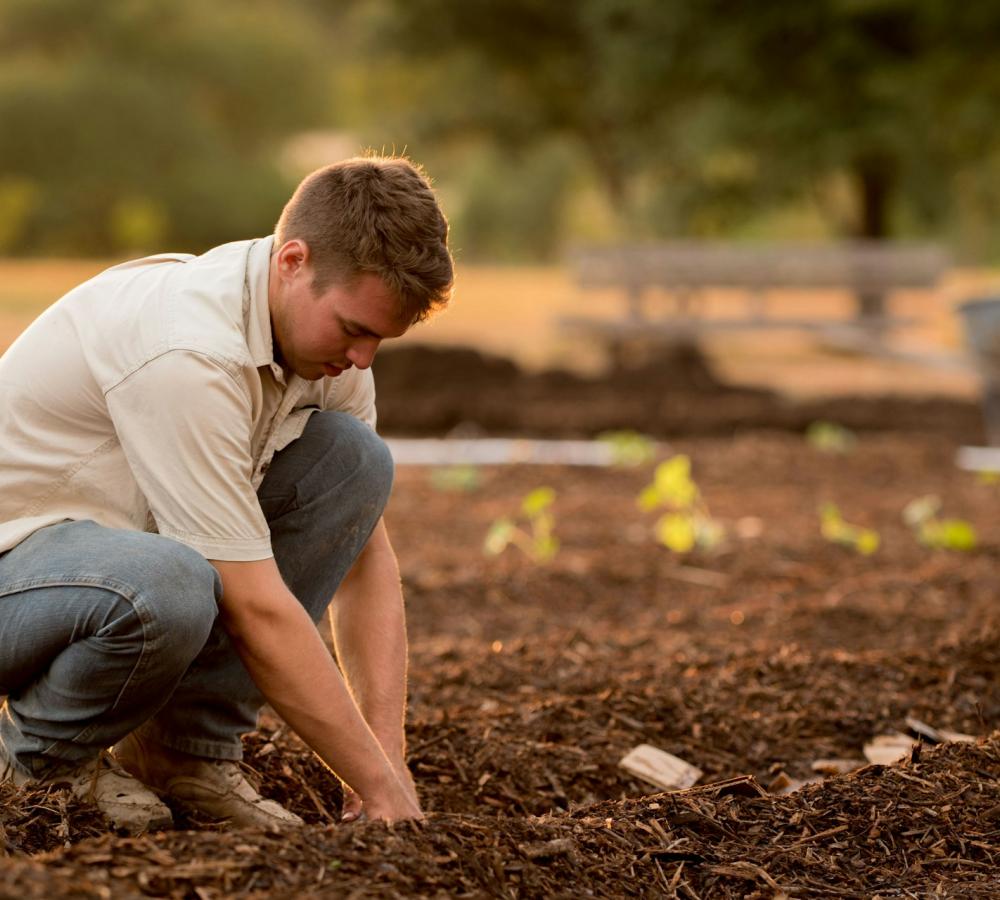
{"x":783,"y":784}
{"x":923,"y":730}
{"x":557,"y":847}
{"x":660,"y":768}
{"x":937,"y":735}
{"x":958,"y":736}
{"x":886,"y":749}
{"x":738,"y":786}
{"x":837,"y":766}
{"x":779,"y":784}
{"x":695,"y":575}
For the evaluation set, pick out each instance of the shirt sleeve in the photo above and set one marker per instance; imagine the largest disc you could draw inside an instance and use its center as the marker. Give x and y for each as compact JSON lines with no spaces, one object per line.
{"x":184,"y":424}
{"x":353,"y":392}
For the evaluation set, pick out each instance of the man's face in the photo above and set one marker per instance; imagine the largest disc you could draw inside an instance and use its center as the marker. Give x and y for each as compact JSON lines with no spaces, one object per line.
{"x":323,"y":334}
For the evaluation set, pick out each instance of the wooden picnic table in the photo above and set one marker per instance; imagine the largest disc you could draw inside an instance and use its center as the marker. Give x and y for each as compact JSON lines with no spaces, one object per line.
{"x":683,"y":270}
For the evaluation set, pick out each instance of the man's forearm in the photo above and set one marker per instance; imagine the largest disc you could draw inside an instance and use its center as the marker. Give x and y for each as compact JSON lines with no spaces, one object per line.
{"x":369,"y":632}
{"x":265,"y":621}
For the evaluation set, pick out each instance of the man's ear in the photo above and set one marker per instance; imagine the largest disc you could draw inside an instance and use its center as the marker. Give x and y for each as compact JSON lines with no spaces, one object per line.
{"x":292,"y":256}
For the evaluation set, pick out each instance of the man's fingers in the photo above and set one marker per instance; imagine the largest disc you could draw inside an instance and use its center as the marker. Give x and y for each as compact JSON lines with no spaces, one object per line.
{"x":351,"y":811}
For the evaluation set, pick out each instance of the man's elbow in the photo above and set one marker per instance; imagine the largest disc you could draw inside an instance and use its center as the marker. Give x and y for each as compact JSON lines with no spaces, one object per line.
{"x":254,"y":597}
{"x":247,"y":617}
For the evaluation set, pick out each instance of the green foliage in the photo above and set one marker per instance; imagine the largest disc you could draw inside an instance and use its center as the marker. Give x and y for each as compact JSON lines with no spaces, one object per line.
{"x":833,"y":527}
{"x":948,"y":534}
{"x":672,"y":486}
{"x":510,"y":204}
{"x":829,"y":437}
{"x":695,"y":117}
{"x":537,"y":541}
{"x":129,"y":122}
{"x":459,"y":478}
{"x":616,"y":78}
{"x":687,"y":523}
{"x":629,"y":448}
{"x":921,"y":515}
{"x":536,"y":504}
{"x":133,"y":124}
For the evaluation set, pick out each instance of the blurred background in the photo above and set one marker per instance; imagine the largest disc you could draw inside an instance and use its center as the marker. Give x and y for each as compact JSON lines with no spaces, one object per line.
{"x":136,"y":126}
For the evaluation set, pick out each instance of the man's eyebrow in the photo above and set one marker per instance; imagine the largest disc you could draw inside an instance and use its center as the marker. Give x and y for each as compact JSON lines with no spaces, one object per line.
{"x":364,"y":329}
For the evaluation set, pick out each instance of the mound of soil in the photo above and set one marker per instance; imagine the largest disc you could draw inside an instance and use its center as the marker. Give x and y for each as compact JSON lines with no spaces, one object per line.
{"x":426,"y":390}
{"x":530,"y":682}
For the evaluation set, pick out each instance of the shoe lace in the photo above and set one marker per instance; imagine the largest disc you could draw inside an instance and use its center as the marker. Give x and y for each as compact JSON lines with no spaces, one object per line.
{"x":104,"y":761}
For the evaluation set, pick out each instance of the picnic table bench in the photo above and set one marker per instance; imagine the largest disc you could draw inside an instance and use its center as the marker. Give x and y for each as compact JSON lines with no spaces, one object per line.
{"x":683,"y":270}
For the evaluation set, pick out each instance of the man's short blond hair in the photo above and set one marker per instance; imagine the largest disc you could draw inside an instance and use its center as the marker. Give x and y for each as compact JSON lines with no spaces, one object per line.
{"x":378,"y":215}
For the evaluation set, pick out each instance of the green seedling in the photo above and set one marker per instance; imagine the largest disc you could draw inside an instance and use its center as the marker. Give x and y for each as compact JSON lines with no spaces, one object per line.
{"x":629,"y":448}
{"x":829,"y":437}
{"x":833,"y":527}
{"x":536,"y":540}
{"x":921,"y":515}
{"x":687,"y":523}
{"x":457,"y":479}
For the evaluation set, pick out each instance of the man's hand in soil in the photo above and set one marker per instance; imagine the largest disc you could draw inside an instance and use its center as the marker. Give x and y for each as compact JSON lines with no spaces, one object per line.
{"x":403,"y":805}
{"x":354,"y":808}
{"x":285,"y":655}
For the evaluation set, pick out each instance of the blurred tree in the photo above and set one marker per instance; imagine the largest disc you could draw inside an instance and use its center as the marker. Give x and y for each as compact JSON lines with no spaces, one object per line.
{"x":695,"y":115}
{"x":504,"y":219}
{"x":866,"y":87}
{"x":614,"y":75}
{"x":131,"y":123}
{"x":892,"y":93}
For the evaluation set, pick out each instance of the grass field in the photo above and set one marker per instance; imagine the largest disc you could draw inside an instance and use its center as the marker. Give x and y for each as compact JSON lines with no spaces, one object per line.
{"x":514,"y":311}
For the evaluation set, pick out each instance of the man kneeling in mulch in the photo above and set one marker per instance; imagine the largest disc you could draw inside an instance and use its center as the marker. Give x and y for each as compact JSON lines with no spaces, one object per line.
{"x":188,"y":472}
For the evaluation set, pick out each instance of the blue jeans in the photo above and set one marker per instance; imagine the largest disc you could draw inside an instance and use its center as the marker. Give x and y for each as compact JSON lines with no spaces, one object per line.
{"x":103,"y":631}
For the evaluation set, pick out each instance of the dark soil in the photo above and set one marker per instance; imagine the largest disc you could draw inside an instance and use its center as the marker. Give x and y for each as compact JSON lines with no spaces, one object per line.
{"x":675,"y":393}
{"x":530,"y":682}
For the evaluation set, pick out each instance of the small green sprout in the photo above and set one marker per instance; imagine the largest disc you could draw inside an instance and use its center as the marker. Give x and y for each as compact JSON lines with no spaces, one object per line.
{"x":863,"y":540}
{"x":829,"y":437}
{"x":458,"y":479}
{"x":538,"y":542}
{"x":629,"y":448}
{"x":687,"y":523}
{"x":921,"y":515}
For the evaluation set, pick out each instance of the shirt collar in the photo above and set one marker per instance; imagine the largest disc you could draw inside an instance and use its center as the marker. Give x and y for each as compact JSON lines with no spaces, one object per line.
{"x":260,"y":339}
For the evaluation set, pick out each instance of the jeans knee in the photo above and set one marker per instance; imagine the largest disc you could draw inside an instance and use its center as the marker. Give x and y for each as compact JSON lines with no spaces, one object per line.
{"x":181,"y":594}
{"x":360,"y":449}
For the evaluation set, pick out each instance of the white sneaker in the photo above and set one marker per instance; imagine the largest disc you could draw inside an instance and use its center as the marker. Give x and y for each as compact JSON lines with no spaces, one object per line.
{"x":125,"y":802}
{"x":215,"y":787}
{"x":9,"y":773}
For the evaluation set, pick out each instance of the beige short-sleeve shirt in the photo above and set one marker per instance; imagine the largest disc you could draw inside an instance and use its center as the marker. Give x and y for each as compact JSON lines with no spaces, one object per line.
{"x":148,"y":398}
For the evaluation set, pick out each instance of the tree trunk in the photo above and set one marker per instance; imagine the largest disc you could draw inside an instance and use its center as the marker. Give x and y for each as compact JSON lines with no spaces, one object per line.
{"x":875,"y":178}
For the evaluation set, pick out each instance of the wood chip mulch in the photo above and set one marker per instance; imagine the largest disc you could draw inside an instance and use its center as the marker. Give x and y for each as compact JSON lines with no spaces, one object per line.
{"x":928,"y":824}
{"x":529,"y":684}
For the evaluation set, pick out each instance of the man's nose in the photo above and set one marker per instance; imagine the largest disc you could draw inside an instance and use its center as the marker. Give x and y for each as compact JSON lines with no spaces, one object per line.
{"x":362,"y":352}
